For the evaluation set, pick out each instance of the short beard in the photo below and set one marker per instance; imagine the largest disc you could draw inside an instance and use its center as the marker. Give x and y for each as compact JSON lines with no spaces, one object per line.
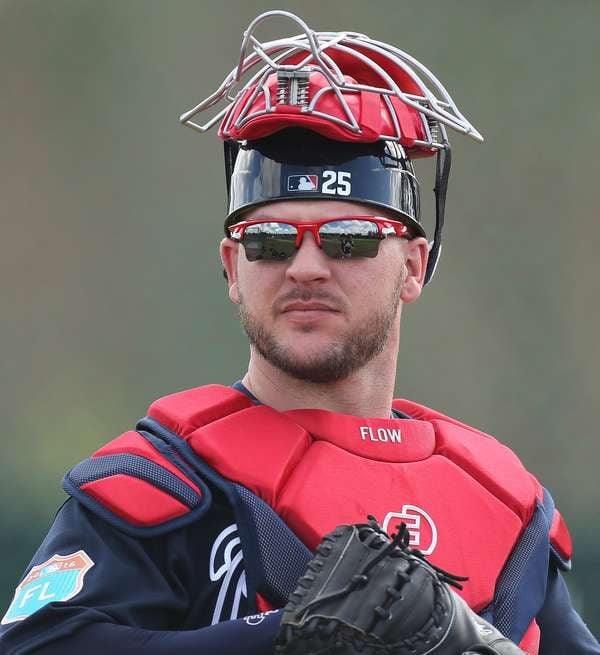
{"x":347,"y":354}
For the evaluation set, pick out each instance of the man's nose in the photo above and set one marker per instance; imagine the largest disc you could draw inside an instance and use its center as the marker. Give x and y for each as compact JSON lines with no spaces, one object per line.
{"x":310,"y":263}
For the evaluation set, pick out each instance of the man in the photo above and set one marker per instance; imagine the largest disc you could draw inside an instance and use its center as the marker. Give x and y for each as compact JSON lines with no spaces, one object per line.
{"x":209,"y":510}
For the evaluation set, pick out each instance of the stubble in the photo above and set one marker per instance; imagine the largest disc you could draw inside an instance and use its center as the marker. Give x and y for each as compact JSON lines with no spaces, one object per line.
{"x":344,"y":355}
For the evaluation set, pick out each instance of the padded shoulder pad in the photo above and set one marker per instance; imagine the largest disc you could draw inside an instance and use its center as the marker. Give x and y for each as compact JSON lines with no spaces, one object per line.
{"x":138,"y":484}
{"x":483,"y":457}
{"x":561,"y":544}
{"x":560,"y":537}
{"x":186,"y":411}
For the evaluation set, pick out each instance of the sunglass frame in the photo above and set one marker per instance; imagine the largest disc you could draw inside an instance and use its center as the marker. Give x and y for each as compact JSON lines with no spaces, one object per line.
{"x":385,"y":226}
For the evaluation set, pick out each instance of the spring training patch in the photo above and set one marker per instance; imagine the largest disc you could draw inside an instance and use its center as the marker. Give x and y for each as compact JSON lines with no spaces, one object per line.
{"x":56,"y":580}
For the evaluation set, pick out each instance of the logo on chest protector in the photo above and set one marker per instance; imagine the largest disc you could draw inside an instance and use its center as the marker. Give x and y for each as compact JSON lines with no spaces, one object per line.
{"x":421,"y":528}
{"x":383,"y":435}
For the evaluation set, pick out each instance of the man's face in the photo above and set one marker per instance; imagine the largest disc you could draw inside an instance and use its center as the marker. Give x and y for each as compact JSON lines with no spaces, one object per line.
{"x":317,"y":318}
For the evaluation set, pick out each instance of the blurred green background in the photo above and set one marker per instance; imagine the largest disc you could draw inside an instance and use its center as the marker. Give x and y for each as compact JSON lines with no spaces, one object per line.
{"x":110,"y":212}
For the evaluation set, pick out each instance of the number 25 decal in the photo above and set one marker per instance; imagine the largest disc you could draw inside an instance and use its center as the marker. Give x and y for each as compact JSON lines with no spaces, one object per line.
{"x":336,"y":183}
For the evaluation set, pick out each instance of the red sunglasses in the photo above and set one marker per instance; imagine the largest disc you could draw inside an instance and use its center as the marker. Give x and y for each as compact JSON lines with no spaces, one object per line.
{"x":339,"y":238}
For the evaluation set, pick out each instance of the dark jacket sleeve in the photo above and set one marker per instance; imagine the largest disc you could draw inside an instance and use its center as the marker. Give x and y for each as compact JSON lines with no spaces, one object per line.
{"x":562,"y":629}
{"x":149,"y":595}
{"x":238,"y":637}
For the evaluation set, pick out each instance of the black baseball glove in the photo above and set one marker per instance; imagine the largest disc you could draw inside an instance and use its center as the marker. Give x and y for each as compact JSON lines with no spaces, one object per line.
{"x":364,"y":593}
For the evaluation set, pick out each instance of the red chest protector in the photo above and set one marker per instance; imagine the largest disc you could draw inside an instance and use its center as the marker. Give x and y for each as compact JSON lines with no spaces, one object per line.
{"x":465,"y":497}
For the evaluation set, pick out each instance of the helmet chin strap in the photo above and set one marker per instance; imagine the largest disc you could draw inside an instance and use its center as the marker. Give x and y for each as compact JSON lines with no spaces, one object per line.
{"x":442,"y":174}
{"x":230,"y":150}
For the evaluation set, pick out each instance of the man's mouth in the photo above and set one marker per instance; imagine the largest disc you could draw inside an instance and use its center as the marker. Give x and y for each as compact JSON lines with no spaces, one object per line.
{"x":308,"y":307}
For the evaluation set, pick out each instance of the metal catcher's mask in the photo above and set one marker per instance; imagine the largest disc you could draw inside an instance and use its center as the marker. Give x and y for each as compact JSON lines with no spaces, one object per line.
{"x":332,"y":115}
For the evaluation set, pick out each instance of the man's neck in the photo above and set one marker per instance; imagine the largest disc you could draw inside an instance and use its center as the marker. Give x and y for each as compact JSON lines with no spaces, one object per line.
{"x":366,"y":392}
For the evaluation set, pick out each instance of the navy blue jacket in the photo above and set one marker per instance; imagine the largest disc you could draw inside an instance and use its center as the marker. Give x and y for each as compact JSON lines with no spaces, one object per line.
{"x":156,"y":596}
{"x":182,"y":591}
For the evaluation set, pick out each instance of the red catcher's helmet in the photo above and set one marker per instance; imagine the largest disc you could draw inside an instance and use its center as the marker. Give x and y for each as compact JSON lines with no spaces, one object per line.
{"x":344,"y":86}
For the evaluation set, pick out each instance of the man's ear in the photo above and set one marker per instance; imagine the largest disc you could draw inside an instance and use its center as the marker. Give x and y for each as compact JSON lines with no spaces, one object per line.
{"x":416,"y":255}
{"x":229,"y":251}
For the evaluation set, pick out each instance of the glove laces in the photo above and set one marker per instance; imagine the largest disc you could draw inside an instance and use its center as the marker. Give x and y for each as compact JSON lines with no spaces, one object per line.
{"x":373,"y":535}
{"x":399,"y":547}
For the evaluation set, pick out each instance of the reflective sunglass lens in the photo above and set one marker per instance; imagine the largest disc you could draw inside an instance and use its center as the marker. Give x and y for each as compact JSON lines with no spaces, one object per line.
{"x":274,"y":241}
{"x":350,"y":238}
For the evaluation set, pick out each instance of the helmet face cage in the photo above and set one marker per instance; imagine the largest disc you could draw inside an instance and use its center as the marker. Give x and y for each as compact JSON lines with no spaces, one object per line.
{"x":386,"y":71}
{"x":346,"y":87}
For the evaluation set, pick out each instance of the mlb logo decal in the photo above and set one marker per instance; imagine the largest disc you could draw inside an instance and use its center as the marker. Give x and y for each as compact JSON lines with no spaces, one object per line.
{"x":56,"y":580}
{"x":303,"y":183}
